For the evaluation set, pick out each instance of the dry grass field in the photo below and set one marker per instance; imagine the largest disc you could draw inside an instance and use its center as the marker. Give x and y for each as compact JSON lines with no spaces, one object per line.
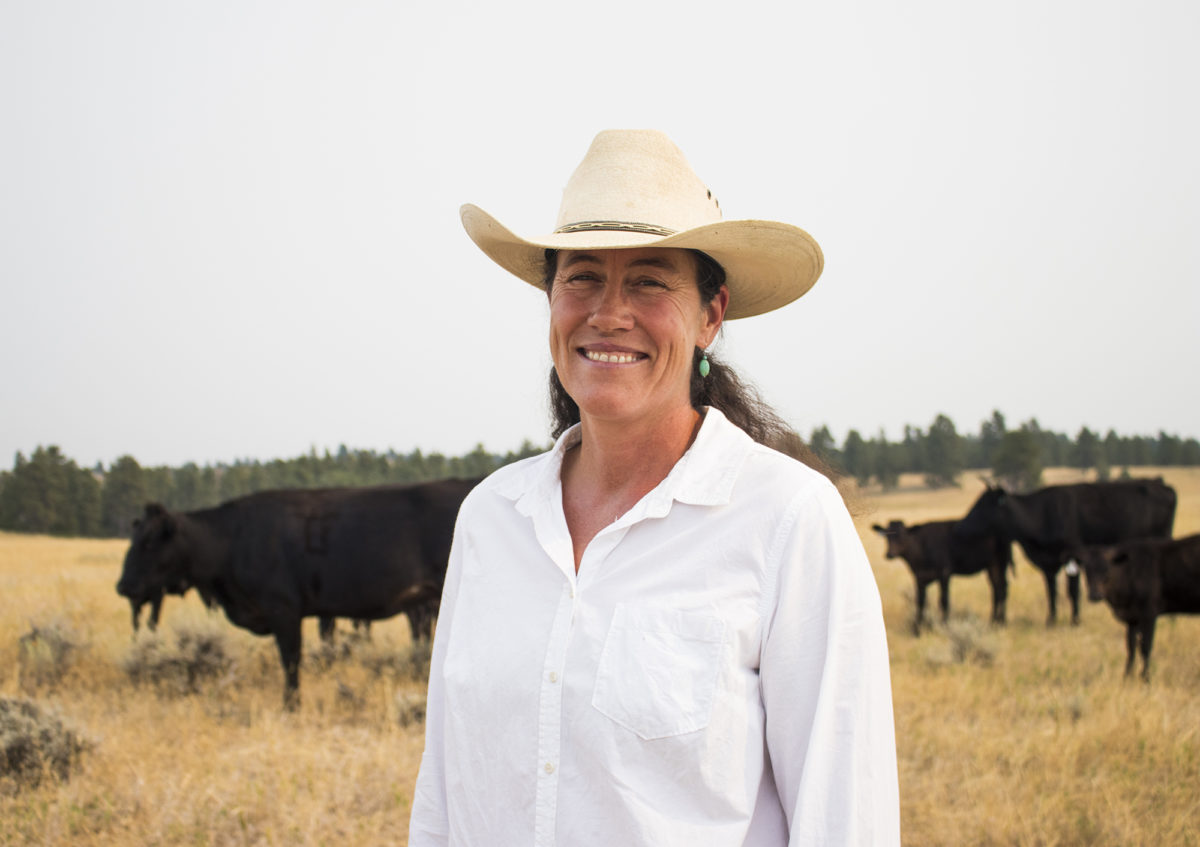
{"x":1015,"y":736}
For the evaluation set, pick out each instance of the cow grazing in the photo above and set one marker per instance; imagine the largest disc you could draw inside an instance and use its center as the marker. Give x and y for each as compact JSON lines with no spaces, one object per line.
{"x":1055,"y":523}
{"x":933,"y":553}
{"x":1141,"y":580}
{"x":273,"y":558}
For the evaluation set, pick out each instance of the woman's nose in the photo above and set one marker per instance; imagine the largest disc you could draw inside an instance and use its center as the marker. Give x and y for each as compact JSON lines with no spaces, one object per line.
{"x":611,"y":309}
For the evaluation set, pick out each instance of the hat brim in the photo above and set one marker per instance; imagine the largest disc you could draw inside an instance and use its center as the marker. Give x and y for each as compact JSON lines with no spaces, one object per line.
{"x":767,"y":264}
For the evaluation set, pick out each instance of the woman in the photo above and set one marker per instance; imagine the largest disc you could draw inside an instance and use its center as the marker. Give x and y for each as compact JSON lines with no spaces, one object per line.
{"x":662,"y":631}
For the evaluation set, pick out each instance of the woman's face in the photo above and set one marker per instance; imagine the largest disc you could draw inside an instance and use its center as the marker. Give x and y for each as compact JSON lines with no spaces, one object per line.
{"x":623,"y":325}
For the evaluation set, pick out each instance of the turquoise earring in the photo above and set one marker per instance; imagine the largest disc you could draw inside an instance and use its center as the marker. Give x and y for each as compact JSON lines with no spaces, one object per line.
{"x":704,"y":366}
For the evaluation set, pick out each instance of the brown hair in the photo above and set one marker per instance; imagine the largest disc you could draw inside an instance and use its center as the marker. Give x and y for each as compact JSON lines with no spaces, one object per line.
{"x":723,"y":389}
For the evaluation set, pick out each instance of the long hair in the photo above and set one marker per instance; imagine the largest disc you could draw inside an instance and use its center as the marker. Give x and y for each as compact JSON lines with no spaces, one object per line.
{"x":722,"y":389}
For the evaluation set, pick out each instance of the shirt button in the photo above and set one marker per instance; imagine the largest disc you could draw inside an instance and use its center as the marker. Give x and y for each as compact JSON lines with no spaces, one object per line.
{"x":553,"y":676}
{"x":549,"y":767}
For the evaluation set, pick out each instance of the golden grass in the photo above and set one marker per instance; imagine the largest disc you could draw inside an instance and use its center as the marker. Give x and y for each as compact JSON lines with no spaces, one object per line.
{"x":1035,"y":740}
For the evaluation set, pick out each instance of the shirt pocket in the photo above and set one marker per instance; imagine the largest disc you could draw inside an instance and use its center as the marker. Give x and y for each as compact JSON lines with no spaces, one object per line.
{"x":658,"y":670}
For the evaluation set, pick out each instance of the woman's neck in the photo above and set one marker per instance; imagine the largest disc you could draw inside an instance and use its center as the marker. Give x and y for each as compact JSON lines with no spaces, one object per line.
{"x":615,"y":465}
{"x":612,"y":456}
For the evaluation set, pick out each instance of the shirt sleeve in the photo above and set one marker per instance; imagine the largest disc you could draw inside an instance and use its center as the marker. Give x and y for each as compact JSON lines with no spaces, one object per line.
{"x":826,"y":683}
{"x":428,"y":825}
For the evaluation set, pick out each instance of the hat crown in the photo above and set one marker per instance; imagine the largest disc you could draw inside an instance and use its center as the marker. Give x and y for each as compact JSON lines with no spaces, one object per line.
{"x":635,"y":180}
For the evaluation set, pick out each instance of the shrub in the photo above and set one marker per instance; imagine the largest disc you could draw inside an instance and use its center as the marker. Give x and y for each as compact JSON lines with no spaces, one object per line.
{"x":412,"y":663}
{"x":198,"y":654}
{"x":970,"y":640}
{"x":342,"y":646}
{"x":967,"y":639}
{"x":410,"y":707}
{"x":45,"y":654}
{"x":35,"y":744}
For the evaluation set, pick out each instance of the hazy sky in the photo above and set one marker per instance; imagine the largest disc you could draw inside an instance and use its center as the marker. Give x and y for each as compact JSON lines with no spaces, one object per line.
{"x":230,"y":229}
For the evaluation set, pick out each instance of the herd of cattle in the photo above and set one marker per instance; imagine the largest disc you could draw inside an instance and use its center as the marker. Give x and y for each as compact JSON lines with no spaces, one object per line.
{"x":1120,"y":532}
{"x":273,"y":558}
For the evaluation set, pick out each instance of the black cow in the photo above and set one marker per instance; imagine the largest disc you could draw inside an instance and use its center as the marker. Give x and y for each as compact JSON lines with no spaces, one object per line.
{"x":1141,"y":580}
{"x":273,"y":558}
{"x":933,"y":553}
{"x":1055,"y":523}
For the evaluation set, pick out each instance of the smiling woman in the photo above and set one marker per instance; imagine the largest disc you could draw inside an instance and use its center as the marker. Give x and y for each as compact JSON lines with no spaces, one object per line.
{"x":662,"y":631}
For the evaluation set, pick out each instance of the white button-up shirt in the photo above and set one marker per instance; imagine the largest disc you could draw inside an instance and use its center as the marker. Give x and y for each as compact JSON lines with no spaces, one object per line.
{"x":715,"y":674}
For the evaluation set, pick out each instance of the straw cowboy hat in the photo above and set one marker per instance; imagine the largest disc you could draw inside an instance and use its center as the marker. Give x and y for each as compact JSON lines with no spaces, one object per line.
{"x":634,"y":188}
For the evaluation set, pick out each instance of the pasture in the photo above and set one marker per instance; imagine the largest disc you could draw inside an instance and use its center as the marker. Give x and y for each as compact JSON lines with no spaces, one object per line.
{"x":1015,"y":736}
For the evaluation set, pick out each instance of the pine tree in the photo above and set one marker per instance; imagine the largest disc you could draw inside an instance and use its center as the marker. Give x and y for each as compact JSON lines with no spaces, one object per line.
{"x":943,"y":453}
{"x":123,"y":497}
{"x":856,"y":457}
{"x":1017,"y":464}
{"x":1086,"y":452}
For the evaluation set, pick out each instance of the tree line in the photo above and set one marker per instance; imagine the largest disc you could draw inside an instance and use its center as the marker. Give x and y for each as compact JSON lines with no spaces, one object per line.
{"x":1015,"y":456}
{"x":49,"y":493}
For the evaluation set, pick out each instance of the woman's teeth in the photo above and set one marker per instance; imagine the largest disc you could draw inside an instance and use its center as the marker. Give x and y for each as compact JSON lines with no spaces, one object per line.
{"x":618,"y":358}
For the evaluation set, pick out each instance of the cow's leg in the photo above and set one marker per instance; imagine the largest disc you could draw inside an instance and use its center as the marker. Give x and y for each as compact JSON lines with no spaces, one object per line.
{"x":428,"y":615}
{"x":1147,"y":629}
{"x":1073,"y":593}
{"x":155,"y":612}
{"x":287,"y":639}
{"x":1051,"y":595}
{"x":917,"y":621}
{"x":1131,"y":634}
{"x":421,"y":616}
{"x":944,"y":597}
{"x":326,"y":627}
{"x":998,"y":577}
{"x":136,"y":612}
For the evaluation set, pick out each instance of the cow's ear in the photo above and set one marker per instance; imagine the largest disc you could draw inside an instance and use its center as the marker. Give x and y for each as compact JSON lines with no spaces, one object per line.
{"x":878,"y":529}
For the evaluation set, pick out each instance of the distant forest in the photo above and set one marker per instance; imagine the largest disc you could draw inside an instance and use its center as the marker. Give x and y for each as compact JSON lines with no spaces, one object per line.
{"x":48,"y":492}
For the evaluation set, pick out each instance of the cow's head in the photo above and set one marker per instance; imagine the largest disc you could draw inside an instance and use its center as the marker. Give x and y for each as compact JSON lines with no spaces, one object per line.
{"x":1096,"y":562}
{"x":156,"y":559}
{"x":896,"y":534}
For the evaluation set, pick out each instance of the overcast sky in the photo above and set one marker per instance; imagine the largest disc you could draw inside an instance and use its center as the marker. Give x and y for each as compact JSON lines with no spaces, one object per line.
{"x":230,"y":229}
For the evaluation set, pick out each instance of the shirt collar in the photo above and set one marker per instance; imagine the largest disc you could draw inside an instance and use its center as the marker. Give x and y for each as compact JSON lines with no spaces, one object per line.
{"x":703,"y":476}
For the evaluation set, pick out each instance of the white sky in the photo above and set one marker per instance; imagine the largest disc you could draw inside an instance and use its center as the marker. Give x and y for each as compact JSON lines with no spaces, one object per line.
{"x":230,"y":229}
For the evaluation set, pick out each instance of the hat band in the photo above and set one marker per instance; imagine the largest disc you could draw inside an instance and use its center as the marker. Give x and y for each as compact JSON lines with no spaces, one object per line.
{"x":613,"y":226}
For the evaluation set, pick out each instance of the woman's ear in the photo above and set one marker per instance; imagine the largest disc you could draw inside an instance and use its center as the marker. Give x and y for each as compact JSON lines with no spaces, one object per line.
{"x":714,"y":316}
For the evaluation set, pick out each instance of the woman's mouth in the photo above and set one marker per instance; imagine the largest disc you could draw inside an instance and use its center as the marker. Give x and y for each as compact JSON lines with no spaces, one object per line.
{"x":612,"y":357}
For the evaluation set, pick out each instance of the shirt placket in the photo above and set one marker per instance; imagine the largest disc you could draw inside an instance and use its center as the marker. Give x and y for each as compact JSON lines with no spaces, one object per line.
{"x":550,"y":719}
{"x":550,"y":706}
